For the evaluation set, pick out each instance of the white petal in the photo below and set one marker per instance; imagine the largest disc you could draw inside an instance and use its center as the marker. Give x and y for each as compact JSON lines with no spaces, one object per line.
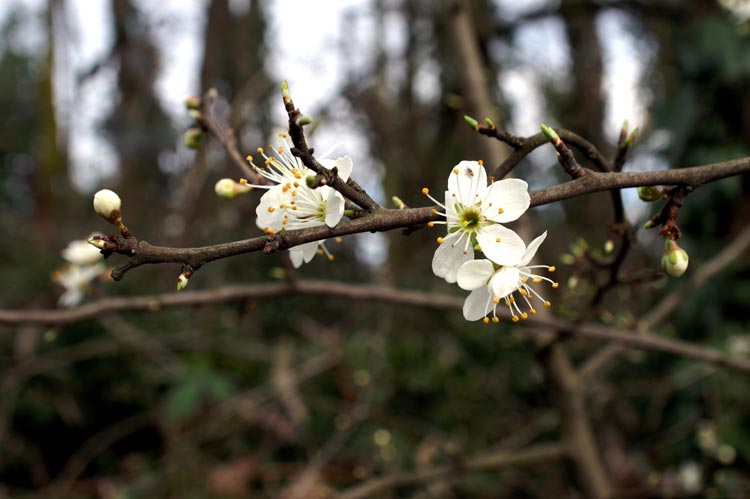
{"x":474,"y":274}
{"x":449,"y":258}
{"x":334,"y":207}
{"x":271,"y":200}
{"x":511,"y":195}
{"x":501,"y":245}
{"x":478,"y":304}
{"x":303,"y":253}
{"x":532,"y":248}
{"x":504,"y":281}
{"x":468,"y":180}
{"x":344,"y":165}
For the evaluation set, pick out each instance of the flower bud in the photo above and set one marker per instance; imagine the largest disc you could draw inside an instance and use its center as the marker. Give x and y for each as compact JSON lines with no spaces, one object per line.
{"x":193,"y":103}
{"x":471,"y":122}
{"x":97,"y":242}
{"x":193,"y":138}
{"x":182,"y":282}
{"x":107,"y":205}
{"x":229,"y":189}
{"x":650,"y":193}
{"x":675,"y":259}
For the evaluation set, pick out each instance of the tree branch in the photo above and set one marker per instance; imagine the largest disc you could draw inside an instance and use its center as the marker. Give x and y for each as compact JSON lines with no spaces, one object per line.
{"x":309,"y":287}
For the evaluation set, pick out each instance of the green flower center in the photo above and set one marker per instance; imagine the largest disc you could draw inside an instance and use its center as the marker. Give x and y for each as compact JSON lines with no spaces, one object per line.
{"x":470,"y":218}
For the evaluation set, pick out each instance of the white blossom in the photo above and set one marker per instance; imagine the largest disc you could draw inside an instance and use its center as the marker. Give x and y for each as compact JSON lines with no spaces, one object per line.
{"x":492,"y":284}
{"x":107,"y":205}
{"x":474,"y":212}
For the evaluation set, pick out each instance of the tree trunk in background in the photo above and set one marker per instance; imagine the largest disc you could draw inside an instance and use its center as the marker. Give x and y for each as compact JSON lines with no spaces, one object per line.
{"x":51,"y":182}
{"x":585,"y":105}
{"x":140,"y":130}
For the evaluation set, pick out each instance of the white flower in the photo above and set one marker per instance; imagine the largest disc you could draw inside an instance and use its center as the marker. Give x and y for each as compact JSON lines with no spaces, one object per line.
{"x":81,"y":253}
{"x":473,"y":214}
{"x":290,"y":204}
{"x":76,"y":279}
{"x":491,"y":283}
{"x":107,"y":205}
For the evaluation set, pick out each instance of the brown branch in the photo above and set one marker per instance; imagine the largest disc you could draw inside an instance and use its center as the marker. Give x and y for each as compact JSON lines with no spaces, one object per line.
{"x":349,"y":189}
{"x":671,"y":302}
{"x":227,"y":139}
{"x":494,"y":460}
{"x":631,"y":338}
{"x":141,"y":252}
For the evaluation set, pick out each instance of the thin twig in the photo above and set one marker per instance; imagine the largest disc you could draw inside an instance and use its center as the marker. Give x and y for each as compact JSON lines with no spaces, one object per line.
{"x":631,"y":338}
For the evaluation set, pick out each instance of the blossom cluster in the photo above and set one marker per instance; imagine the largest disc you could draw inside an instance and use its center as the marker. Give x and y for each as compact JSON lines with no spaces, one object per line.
{"x":84,"y":265}
{"x":289,"y":201}
{"x":474,"y":212}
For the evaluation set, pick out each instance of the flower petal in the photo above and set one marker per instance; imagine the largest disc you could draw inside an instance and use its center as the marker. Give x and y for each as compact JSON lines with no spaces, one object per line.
{"x":468,"y":181}
{"x":477,"y":304}
{"x":269,"y":211}
{"x":449,"y":257}
{"x":303,"y":253}
{"x":344,"y":164}
{"x":510,"y":195}
{"x":474,"y":274}
{"x":501,"y":245}
{"x":532,"y":248}
{"x":504,"y":281}
{"x":334,"y":207}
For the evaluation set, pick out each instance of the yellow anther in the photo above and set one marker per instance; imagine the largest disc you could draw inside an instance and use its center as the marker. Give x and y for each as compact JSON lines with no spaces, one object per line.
{"x":532,"y":311}
{"x":547,"y":303}
{"x":271,"y":209}
{"x":281,"y":150}
{"x":338,"y":240}
{"x":440,"y":240}
{"x":555,"y":285}
{"x":466,"y":252}
{"x":296,"y":184}
{"x":243,"y":181}
{"x":486,"y":320}
{"x":497,"y":239}
{"x":319,"y":251}
{"x":260,"y":150}
{"x":496,"y":319}
{"x":492,"y":178}
{"x":523,"y":292}
{"x":330,"y":258}
{"x":479,"y":248}
{"x":500,"y":211}
{"x":425,"y":191}
{"x":524,"y":279}
{"x":471,"y":172}
{"x":552,"y":268}
{"x":516,"y":318}
{"x":481,"y":162}
{"x":455,"y":170}
{"x":430,"y":224}
{"x":286,"y":187}
{"x":524,"y":316}
{"x":249,"y":158}
{"x":297,"y":175}
{"x":433,"y":211}
{"x":294,"y":193}
{"x":537,"y":280}
{"x":496,"y":300}
{"x":465,"y":223}
{"x":282,"y":135}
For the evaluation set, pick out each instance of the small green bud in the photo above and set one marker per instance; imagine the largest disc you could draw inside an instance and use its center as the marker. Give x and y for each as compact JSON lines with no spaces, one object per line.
{"x":310,"y":181}
{"x":549,"y":133}
{"x":609,"y":246}
{"x":96,"y":242}
{"x":229,"y":189}
{"x":398,"y":203}
{"x":624,"y":127}
{"x":650,"y":193}
{"x":193,"y":137}
{"x":193,"y":103}
{"x":182,"y":282}
{"x":304,"y":120}
{"x":471,"y":122}
{"x":489,"y":123}
{"x":285,"y":91}
{"x":631,"y":138}
{"x":674,"y":261}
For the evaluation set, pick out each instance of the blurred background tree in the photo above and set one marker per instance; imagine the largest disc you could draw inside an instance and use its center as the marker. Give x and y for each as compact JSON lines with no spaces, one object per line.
{"x":248,"y":399}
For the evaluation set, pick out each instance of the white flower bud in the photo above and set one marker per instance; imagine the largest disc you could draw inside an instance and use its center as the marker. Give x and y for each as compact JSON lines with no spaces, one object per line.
{"x":107,"y":205}
{"x":229,"y":189}
{"x":182,"y":282}
{"x":674,"y":261}
{"x":81,"y":253}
